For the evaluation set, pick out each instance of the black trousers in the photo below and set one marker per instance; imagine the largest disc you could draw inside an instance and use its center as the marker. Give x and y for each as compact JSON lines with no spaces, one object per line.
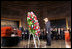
{"x":48,"y":39}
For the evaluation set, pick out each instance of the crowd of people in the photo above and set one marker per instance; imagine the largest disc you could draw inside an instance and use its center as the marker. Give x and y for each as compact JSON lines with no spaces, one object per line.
{"x":56,"y":34}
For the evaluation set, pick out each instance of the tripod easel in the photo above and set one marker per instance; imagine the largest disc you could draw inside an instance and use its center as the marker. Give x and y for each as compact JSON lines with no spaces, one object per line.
{"x":34,"y":39}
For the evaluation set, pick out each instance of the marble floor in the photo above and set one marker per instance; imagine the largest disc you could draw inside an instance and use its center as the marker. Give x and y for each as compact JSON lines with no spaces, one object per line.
{"x":54,"y":44}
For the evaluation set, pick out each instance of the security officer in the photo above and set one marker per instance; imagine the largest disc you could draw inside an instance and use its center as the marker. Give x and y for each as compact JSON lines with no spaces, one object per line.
{"x":47,"y":27}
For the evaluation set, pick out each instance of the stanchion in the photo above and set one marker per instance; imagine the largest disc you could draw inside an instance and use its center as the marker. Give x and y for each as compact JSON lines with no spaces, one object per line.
{"x":29,"y":41}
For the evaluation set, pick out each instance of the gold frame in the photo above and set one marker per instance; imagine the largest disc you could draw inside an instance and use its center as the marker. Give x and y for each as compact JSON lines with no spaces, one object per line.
{"x":14,"y":20}
{"x":61,"y":18}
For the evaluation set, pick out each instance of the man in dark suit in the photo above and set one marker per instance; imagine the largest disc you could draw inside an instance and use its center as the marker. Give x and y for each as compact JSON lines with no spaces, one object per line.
{"x":47,"y":27}
{"x":62,"y":33}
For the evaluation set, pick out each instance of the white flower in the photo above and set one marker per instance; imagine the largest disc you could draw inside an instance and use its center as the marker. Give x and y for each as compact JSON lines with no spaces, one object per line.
{"x":32,"y":13}
{"x":28,"y":12}
{"x":32,"y":17}
{"x":32,"y":26}
{"x":36,"y":20}
{"x":35,"y":31}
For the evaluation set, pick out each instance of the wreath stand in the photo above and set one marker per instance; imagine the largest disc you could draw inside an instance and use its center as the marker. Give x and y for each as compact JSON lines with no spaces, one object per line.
{"x":34,"y":39}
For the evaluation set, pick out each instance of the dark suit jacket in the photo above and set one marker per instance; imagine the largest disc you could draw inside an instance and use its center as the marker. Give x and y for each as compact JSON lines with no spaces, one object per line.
{"x":47,"y":26}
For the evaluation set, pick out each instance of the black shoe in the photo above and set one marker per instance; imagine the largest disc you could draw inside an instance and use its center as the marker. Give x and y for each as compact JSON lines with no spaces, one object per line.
{"x":48,"y":44}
